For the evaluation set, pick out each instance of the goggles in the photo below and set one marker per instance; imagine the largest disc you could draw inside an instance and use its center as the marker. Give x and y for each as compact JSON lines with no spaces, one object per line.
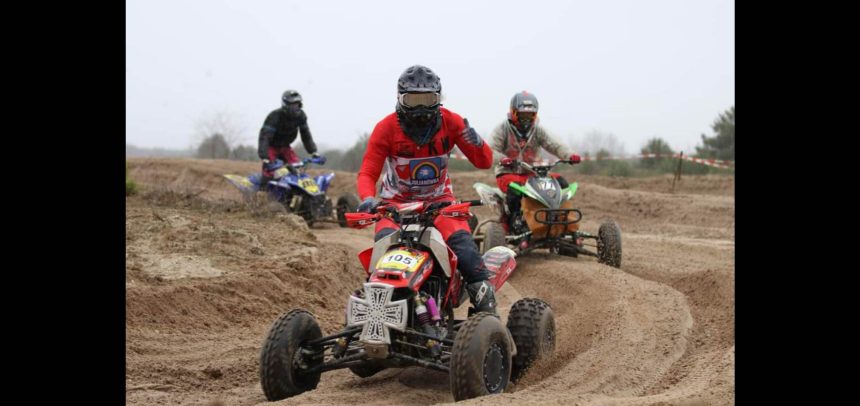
{"x":526,"y":115}
{"x":418,"y":99}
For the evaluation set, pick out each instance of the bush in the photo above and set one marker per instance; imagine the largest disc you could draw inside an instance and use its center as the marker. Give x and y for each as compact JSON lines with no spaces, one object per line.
{"x":619,"y":168}
{"x":244,"y":153}
{"x":214,"y":147}
{"x":130,"y":186}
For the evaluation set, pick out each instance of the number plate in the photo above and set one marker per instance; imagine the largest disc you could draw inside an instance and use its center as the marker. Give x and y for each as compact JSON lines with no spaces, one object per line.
{"x":309,"y":184}
{"x":401,"y":260}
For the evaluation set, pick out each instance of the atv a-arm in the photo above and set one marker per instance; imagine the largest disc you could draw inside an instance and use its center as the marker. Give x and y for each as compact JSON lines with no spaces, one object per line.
{"x":340,"y":351}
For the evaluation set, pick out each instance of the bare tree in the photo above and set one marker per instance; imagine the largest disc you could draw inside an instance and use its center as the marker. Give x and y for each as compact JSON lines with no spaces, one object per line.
{"x":221,"y":122}
{"x":595,"y":142}
{"x":214,"y":147}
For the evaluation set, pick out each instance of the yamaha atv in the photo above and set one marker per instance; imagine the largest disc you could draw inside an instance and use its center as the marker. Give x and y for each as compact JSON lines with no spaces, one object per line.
{"x":547,"y":219}
{"x":297,"y":191}
{"x":404,"y":316}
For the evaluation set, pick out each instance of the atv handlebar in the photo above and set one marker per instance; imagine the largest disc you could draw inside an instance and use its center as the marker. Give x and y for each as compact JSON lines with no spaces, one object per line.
{"x":278,"y":163}
{"x":317,"y":160}
{"x":426,"y":212}
{"x":536,"y":168}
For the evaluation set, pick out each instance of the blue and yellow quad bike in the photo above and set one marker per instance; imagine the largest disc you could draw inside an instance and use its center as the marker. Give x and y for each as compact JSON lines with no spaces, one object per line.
{"x":547,"y":219}
{"x":298,"y":192}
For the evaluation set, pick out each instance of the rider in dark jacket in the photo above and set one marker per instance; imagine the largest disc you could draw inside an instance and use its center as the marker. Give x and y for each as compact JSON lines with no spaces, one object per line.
{"x":280,"y":130}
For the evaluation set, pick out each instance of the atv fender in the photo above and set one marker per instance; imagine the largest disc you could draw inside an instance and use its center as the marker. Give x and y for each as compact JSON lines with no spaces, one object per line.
{"x":501,"y":261}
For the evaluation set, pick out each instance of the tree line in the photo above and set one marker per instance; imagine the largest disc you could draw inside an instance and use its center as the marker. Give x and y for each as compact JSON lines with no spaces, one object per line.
{"x":720,"y":145}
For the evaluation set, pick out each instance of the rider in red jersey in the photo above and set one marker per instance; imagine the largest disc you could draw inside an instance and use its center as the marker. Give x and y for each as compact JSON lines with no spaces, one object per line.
{"x":413,"y":145}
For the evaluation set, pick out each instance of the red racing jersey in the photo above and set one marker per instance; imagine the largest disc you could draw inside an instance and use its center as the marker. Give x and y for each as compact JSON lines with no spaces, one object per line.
{"x":414,"y":172}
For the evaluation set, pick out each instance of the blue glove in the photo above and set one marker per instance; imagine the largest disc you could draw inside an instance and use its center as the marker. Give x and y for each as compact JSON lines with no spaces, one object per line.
{"x":368,"y":205}
{"x":471,"y":136}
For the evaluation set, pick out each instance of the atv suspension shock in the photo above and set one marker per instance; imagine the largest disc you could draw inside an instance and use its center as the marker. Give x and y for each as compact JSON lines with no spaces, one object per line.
{"x":426,"y":319}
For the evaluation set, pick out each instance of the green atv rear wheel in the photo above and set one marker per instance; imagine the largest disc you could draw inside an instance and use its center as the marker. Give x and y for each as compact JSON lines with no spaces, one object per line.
{"x":494,"y":236}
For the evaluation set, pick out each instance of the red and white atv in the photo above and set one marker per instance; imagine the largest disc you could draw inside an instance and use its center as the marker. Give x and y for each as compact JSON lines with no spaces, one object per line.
{"x":404,"y":316}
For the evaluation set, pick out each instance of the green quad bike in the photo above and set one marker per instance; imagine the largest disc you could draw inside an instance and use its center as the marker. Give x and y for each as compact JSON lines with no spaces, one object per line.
{"x":547,"y":219}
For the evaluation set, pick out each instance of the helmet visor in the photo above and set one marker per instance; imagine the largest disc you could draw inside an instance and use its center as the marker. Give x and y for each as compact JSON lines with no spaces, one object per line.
{"x":418,"y":99}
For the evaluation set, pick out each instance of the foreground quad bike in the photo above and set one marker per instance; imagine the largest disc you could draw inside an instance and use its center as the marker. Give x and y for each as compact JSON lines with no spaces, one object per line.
{"x":298,"y":192}
{"x":404,"y":316}
{"x":547,"y":219}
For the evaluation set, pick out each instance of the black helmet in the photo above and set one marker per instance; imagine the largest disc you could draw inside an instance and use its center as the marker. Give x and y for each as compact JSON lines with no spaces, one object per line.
{"x":523,"y":113}
{"x":418,"y":100}
{"x":291,"y":102}
{"x":291,"y":96}
{"x":419,"y":79}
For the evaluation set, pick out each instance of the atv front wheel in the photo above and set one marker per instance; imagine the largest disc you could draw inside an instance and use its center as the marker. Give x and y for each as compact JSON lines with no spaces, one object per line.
{"x":346,"y":203}
{"x":481,"y":358}
{"x":494,"y":236}
{"x":306,"y":210}
{"x":609,"y":244}
{"x":532,"y":326}
{"x":281,"y":375}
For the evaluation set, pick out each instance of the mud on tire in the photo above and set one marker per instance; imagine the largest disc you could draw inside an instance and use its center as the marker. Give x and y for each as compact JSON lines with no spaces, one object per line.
{"x":346,"y":203}
{"x":481,"y":358}
{"x":279,"y":376}
{"x":532,"y":326}
{"x":609,"y":244}
{"x":494,"y":236}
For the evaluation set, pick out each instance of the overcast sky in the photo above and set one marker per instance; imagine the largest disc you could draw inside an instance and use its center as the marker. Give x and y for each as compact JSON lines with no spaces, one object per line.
{"x":636,"y":69}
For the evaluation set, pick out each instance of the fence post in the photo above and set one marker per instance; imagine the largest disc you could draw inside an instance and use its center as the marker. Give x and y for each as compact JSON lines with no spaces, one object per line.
{"x":678,"y":171}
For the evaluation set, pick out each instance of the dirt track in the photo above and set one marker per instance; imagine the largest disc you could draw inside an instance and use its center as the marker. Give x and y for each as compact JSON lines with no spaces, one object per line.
{"x":205,"y":278}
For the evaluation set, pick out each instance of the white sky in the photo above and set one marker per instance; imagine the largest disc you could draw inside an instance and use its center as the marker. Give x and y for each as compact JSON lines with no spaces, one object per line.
{"x":635,"y":69}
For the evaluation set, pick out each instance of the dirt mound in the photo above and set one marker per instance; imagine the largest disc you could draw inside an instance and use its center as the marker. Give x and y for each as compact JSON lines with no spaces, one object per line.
{"x":203,"y":178}
{"x":198,"y":285}
{"x":206,"y":277}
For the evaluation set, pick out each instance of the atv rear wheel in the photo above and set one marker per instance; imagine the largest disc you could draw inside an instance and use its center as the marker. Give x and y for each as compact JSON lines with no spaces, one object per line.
{"x":609,"y":244}
{"x":494,"y":236}
{"x":346,"y":203}
{"x":532,"y":326}
{"x":280,"y":374}
{"x":481,"y":358}
{"x":280,"y":196}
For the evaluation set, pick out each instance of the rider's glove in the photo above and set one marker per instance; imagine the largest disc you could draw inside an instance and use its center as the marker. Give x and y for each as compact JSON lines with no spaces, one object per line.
{"x":368,"y":205}
{"x":471,"y":136}
{"x":507,"y":161}
{"x":575,"y":159}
